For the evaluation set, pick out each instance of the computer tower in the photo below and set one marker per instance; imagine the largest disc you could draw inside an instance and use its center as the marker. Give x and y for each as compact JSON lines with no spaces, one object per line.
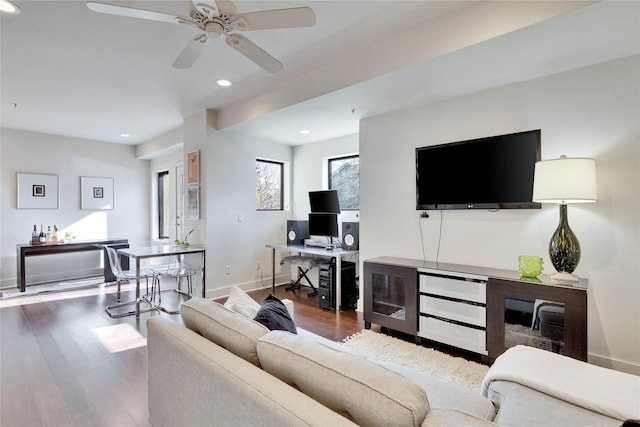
{"x":327,"y":285}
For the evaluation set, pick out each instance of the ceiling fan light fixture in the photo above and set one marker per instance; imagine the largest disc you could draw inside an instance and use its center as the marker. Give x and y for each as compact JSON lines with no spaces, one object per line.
{"x":8,"y":7}
{"x":214,"y":29}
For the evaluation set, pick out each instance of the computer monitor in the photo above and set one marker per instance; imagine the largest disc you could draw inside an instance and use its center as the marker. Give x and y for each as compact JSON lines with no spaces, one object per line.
{"x":323,"y":224}
{"x":325,"y":201}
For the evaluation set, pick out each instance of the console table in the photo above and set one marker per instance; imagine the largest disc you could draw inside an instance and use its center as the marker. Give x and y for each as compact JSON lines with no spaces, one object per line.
{"x":23,"y":251}
{"x":482,"y":310}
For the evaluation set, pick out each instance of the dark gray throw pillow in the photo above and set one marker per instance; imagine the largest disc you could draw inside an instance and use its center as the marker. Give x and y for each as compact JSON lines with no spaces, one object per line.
{"x":274,"y":315}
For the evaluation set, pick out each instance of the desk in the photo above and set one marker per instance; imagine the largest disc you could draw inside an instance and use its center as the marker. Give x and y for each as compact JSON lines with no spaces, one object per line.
{"x":160,"y":251}
{"x":337,"y":253}
{"x":23,"y":251}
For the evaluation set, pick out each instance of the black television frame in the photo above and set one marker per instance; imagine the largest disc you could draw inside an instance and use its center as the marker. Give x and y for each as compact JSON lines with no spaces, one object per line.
{"x":489,"y":205}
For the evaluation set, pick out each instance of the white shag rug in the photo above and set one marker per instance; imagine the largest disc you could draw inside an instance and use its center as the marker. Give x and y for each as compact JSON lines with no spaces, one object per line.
{"x":377,"y":346}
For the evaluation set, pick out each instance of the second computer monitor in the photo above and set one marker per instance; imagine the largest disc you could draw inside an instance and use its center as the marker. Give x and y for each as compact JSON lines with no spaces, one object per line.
{"x":323,"y":224}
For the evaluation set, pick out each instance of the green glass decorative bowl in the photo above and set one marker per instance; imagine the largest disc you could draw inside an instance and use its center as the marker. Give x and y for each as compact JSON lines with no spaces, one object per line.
{"x":529,"y":265}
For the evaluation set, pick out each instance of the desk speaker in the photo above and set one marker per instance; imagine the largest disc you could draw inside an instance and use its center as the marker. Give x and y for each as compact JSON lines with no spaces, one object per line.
{"x":350,"y":235}
{"x":297,"y":232}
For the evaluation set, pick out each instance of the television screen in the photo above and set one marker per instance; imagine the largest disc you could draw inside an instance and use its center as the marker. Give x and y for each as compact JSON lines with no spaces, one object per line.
{"x":325,"y":201}
{"x":323,"y":224}
{"x":485,"y":173}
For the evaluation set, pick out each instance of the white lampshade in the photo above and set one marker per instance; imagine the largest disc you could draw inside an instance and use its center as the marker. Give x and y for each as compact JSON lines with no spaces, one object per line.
{"x":565,"y":180}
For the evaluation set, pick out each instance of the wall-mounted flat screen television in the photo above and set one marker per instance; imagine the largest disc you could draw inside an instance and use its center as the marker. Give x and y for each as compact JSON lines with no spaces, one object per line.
{"x":485,"y":173}
{"x":324,"y":201}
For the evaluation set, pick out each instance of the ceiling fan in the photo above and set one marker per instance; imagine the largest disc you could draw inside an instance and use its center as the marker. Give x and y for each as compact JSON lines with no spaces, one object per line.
{"x":218,"y":19}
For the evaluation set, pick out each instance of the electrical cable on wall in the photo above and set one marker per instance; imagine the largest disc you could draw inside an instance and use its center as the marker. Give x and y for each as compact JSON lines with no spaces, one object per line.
{"x":439,"y":240}
{"x":424,"y":254}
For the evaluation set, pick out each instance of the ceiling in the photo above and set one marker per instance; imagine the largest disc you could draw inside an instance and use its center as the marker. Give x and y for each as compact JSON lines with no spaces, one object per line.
{"x":67,"y":70}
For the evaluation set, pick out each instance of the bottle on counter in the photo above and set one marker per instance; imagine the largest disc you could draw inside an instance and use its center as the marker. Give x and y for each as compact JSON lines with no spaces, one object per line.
{"x":41,"y":236}
{"x":54,"y":236}
{"x":48,"y":234}
{"x":35,"y":236}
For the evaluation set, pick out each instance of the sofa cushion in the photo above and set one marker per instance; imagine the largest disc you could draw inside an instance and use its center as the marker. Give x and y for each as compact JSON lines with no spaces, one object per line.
{"x":224,"y":327}
{"x":241,"y":303}
{"x":344,"y":381}
{"x":446,"y":394}
{"x":274,"y":315}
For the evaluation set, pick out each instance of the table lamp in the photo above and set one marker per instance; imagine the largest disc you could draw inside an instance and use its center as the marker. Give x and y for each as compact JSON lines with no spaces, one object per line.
{"x":565,"y":180}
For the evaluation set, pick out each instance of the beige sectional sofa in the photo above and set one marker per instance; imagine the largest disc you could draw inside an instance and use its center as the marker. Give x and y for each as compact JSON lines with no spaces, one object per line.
{"x":224,"y":369}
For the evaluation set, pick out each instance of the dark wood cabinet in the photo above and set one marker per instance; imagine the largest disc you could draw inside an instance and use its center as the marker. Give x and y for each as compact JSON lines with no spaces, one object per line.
{"x":391,"y":296}
{"x":557,"y":321}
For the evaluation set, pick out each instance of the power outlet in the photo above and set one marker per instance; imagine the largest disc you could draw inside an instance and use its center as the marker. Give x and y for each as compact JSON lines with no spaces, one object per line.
{"x":227,"y":269}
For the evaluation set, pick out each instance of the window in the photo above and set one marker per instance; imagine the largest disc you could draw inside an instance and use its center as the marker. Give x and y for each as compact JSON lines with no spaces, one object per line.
{"x":269,"y":185}
{"x":164,"y":200}
{"x":344,"y":176}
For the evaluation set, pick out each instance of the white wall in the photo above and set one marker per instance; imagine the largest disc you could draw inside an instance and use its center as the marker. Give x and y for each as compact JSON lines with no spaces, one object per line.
{"x":590,"y":112}
{"x":70,"y":159}
{"x":236,"y":232}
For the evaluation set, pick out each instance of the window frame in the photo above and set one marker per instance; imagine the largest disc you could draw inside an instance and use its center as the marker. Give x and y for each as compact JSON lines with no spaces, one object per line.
{"x":282,"y":185}
{"x":330,"y":160}
{"x":162,"y":180}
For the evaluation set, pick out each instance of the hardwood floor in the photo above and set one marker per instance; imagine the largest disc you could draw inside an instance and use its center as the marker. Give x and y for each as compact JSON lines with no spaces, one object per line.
{"x":64,"y":362}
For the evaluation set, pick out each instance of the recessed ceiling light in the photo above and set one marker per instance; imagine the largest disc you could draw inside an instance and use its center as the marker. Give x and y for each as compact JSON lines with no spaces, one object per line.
{"x":125,"y":135}
{"x":8,"y":7}
{"x":223,"y":82}
{"x":305,"y":131}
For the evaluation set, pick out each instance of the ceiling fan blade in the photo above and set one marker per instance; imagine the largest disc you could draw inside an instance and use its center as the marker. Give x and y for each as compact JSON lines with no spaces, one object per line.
{"x":254,"y":52}
{"x":191,"y":52}
{"x":278,"y":18}
{"x":133,"y":12}
{"x":206,"y":7}
{"x":227,"y":6}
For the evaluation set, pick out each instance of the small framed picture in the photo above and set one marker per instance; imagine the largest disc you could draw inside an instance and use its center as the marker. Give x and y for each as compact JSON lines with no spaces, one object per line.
{"x":193,"y":167}
{"x":38,"y":190}
{"x":97,"y":193}
{"x":193,"y":202}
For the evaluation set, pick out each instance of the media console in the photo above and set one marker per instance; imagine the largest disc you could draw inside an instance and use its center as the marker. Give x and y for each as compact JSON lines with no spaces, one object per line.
{"x":481,"y":310}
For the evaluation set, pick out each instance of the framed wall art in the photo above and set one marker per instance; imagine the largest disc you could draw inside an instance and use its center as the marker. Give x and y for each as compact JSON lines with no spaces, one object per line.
{"x":37,"y":191}
{"x":193,"y":167}
{"x":193,"y":202}
{"x":97,"y":193}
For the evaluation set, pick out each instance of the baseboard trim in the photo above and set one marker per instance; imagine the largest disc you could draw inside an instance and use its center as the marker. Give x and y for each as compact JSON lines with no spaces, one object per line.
{"x":263,"y":283}
{"x":618,"y":365}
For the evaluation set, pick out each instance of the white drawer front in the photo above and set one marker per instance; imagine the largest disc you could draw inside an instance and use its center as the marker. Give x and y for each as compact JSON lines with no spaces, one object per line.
{"x":461,"y":312}
{"x":455,"y":335}
{"x":460,"y":289}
